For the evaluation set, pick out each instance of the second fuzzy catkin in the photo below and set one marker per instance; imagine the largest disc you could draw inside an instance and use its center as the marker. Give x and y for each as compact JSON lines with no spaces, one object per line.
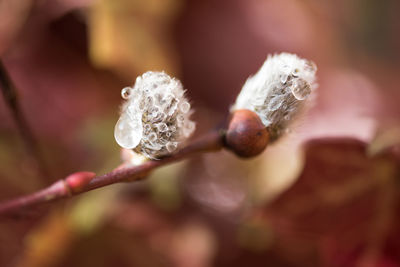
{"x":279,"y":91}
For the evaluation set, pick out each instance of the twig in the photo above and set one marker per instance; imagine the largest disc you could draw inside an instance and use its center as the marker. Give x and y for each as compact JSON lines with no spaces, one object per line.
{"x":11,"y":99}
{"x":84,"y":181}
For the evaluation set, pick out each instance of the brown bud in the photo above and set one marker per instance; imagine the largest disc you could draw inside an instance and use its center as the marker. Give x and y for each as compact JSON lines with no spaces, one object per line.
{"x":247,"y":136}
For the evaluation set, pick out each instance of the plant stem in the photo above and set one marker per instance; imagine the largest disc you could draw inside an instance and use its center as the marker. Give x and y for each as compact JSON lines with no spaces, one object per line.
{"x":62,"y":188}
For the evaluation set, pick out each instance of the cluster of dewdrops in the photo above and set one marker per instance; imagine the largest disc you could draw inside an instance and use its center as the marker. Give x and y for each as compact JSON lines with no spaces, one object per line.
{"x":154,"y":119}
{"x":278,"y":91}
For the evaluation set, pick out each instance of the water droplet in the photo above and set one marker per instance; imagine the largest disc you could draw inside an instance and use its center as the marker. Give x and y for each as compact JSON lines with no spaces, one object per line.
{"x":184,"y":107}
{"x":180,"y":118}
{"x":170,"y":104}
{"x":126,"y":92}
{"x":159,"y":117}
{"x":275,"y":103}
{"x":171,"y":146}
{"x":152,"y":137}
{"x":301,"y":89}
{"x":152,"y":112}
{"x":128,"y":133}
{"x":153,"y":146}
{"x":121,"y":125}
{"x":162,"y":127}
{"x":147,"y":128}
{"x":162,"y":140}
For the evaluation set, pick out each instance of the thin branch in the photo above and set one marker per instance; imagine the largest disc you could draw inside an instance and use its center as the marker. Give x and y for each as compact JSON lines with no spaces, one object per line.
{"x":82,"y":182}
{"x":10,"y":97}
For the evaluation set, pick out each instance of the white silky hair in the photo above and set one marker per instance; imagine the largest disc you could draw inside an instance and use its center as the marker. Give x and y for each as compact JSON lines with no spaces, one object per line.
{"x":155,"y":118}
{"x":279,"y":91}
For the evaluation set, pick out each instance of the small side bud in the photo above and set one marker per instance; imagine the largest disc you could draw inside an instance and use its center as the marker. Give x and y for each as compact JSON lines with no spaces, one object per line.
{"x":78,"y":180}
{"x":246,"y":135}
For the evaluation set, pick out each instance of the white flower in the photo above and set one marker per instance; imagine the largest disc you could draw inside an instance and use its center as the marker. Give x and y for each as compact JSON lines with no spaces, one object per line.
{"x":154,"y":119}
{"x":279,"y":91}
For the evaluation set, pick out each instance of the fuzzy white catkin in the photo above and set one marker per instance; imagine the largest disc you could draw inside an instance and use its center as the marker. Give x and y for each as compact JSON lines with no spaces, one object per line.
{"x":154,"y":119}
{"x":279,"y":91}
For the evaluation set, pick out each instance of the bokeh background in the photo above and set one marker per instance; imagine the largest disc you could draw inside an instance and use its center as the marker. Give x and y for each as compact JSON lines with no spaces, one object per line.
{"x":325,"y":195}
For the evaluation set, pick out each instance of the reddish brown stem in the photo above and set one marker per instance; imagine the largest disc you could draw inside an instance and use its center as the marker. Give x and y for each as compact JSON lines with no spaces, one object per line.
{"x":65,"y":188}
{"x":11,"y":99}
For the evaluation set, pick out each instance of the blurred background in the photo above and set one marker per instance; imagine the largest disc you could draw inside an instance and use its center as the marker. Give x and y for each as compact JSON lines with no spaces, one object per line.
{"x":325,"y":195}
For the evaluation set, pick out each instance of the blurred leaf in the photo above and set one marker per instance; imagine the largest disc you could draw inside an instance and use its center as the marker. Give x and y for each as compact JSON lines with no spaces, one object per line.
{"x":164,"y":184}
{"x":13,"y":14}
{"x":132,"y":37}
{"x":343,"y":198}
{"x":46,"y":245}
{"x":385,"y":139}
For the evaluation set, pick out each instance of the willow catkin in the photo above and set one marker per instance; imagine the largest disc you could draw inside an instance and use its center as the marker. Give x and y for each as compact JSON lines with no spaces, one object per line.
{"x":279,"y":91}
{"x":155,"y":118}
